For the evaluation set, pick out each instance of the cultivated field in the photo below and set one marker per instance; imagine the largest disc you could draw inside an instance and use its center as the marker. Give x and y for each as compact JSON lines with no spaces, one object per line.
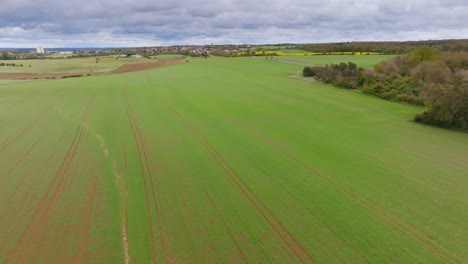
{"x":361,"y":61}
{"x":67,"y":65}
{"x":79,"y":67}
{"x":224,"y":160}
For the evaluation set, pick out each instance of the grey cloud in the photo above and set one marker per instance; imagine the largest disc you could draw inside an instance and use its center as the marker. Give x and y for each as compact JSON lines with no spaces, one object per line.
{"x":134,"y":22}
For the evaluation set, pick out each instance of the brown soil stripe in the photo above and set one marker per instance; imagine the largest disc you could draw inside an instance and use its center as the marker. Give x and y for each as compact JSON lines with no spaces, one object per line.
{"x":140,"y":66}
{"x":299,"y":251}
{"x":239,"y":250}
{"x":168,"y":254}
{"x":390,"y":218}
{"x":88,"y":214}
{"x":142,"y":170}
{"x":52,"y":194}
{"x":21,"y":182}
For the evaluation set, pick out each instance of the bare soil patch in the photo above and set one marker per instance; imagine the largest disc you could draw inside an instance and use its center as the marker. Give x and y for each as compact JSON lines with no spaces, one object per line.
{"x":140,"y":66}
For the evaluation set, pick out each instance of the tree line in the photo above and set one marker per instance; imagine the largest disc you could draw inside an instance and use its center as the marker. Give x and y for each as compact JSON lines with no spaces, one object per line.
{"x":389,"y":47}
{"x":436,"y":79}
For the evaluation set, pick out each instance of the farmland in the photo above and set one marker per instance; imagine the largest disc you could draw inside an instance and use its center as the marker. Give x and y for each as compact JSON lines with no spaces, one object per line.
{"x":225,"y":160}
{"x":79,"y":67}
{"x":361,"y":61}
{"x":67,"y":65}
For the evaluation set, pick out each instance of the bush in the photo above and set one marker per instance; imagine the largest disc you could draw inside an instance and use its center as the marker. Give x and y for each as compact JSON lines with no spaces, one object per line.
{"x":346,"y":75}
{"x":309,"y":71}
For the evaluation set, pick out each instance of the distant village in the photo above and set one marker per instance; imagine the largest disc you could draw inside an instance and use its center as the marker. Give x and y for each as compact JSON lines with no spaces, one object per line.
{"x":143,"y":52}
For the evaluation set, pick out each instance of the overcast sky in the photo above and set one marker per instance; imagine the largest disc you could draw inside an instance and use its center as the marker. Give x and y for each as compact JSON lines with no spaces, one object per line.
{"x":126,"y":23}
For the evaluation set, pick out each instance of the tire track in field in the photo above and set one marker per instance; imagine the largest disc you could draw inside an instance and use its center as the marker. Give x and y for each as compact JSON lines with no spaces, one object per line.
{"x":87,"y":216}
{"x":20,"y":159}
{"x":402,"y":165}
{"x":20,"y":133}
{"x":322,"y":113}
{"x":125,"y":155}
{"x":125,"y":228}
{"x":124,"y":193}
{"x":142,"y":170}
{"x":296,"y":248}
{"x":239,"y":250}
{"x":387,"y":216}
{"x":168,"y":253}
{"x":122,"y":186}
{"x":15,"y":137}
{"x":147,"y":175}
{"x":303,"y":106}
{"x":53,"y":193}
{"x":23,"y":183}
{"x":28,"y":127}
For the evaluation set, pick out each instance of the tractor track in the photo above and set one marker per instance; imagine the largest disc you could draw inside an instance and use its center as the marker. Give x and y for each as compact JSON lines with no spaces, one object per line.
{"x":296,"y":248}
{"x":239,"y":250}
{"x":142,"y":170}
{"x":145,"y":168}
{"x":53,"y":193}
{"x":124,"y":192}
{"x":21,"y":158}
{"x":87,"y":220}
{"x":38,"y":119}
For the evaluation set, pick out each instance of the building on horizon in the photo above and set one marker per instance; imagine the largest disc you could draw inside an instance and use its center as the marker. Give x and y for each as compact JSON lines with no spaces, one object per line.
{"x":40,"y":50}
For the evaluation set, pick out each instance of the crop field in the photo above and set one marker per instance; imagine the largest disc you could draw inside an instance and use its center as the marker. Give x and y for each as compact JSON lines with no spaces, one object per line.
{"x":67,"y":65}
{"x":361,"y":61}
{"x":224,"y":160}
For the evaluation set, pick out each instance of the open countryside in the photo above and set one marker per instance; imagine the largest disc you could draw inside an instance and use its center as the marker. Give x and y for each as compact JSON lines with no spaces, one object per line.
{"x":224,"y":160}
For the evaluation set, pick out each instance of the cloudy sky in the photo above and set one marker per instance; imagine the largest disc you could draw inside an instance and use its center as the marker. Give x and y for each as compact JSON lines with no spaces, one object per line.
{"x":123,"y":23}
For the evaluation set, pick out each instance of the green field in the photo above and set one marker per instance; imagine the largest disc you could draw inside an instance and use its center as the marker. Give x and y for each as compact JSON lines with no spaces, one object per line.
{"x":224,"y":160}
{"x":364,"y":61}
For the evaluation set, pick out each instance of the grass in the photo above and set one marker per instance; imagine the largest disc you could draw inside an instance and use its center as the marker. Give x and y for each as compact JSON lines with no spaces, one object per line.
{"x":224,"y":160}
